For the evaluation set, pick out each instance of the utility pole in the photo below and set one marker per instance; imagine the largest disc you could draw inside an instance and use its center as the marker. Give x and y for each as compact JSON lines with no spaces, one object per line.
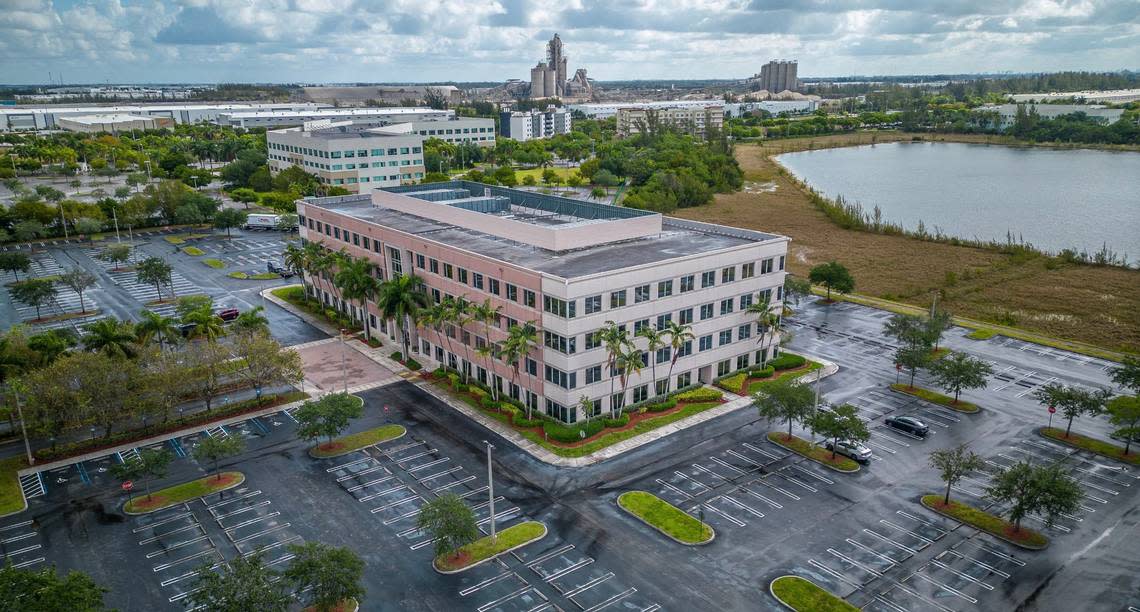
{"x":815,"y":411}
{"x":115,"y":216}
{"x":343,"y":369}
{"x":23,"y":427}
{"x":490,"y":488}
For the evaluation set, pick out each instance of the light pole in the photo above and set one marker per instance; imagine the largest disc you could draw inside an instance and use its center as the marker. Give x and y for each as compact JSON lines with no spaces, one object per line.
{"x":343,"y":369}
{"x":490,"y":488}
{"x":24,"y":428}
{"x":115,"y":216}
{"x":815,"y":411}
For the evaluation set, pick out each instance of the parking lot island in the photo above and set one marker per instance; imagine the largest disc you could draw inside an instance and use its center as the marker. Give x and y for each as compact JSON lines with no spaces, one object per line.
{"x":936,"y":398}
{"x":1093,"y":445}
{"x":994,"y":525}
{"x":803,"y":595}
{"x":484,"y":549}
{"x":171,"y":496}
{"x":666,"y":518}
{"x":354,"y":442}
{"x":820,"y":455}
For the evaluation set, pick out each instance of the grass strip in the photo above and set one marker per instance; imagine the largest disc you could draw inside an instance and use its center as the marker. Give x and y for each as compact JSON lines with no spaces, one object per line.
{"x":989,"y":523}
{"x":758,"y":384}
{"x":936,"y":398}
{"x":258,"y":276}
{"x":195,"y":251}
{"x":665,"y":517}
{"x":1093,"y":445}
{"x":981,"y":334}
{"x":620,"y":436}
{"x":818,"y":454}
{"x":354,"y":442}
{"x":216,"y":264}
{"x":803,"y":595}
{"x":174,"y":239}
{"x":11,"y":496}
{"x":484,"y":548}
{"x":170,"y":496}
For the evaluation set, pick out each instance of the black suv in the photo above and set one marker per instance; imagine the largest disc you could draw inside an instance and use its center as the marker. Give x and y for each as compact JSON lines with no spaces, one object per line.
{"x":908,"y":424}
{"x":281,"y":271}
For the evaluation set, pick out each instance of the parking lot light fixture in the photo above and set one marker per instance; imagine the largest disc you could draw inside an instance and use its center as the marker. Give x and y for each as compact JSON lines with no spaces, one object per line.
{"x":343,"y":368}
{"x":490,"y":488}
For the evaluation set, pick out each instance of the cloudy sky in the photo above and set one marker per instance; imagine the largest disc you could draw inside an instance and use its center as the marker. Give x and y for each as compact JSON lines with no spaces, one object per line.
{"x":467,"y":40}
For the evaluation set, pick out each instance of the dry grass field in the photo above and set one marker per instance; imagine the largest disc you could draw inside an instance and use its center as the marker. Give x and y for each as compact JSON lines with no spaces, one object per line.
{"x":1096,"y":305}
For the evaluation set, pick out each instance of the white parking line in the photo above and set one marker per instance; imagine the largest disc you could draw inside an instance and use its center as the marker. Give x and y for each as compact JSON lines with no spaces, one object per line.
{"x":452,"y":484}
{"x":837,"y":575}
{"x":369,"y":483}
{"x":743,"y":506}
{"x":568,"y":569}
{"x":467,"y":494}
{"x":589,"y":585}
{"x":427,"y":465}
{"x":437,"y":475}
{"x":997,"y":553}
{"x":873,"y":552}
{"x":1015,"y":380}
{"x":710,"y":472}
{"x":978,"y":563}
{"x":701,"y":484}
{"x":344,"y":465}
{"x":964,"y":576}
{"x":1041,"y":384}
{"x":743,"y":458}
{"x":915,"y":594}
{"x":415,"y":456}
{"x":363,"y":472}
{"x":156,"y":523}
{"x":156,"y":538}
{"x":727,"y":465}
{"x":211,"y":507}
{"x":251,"y":521}
{"x":618,"y":597}
{"x":876,"y":434}
{"x":24,"y":524}
{"x":165,"y":549}
{"x":492,"y":604}
{"x":885,"y":539}
{"x":888,"y":604}
{"x":907,"y":531}
{"x":384,"y":492}
{"x":739,"y":523}
{"x":795,"y":481}
{"x":761,"y":498}
{"x":814,"y":475}
{"x":488,"y":582}
{"x":881,"y":447}
{"x":921,"y":521}
{"x":944,"y":587}
{"x":764,"y":481}
{"x":844,"y":557}
{"x":763,"y":452}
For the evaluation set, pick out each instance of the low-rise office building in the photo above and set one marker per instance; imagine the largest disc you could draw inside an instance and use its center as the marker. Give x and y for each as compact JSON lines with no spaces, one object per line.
{"x":374,"y":116}
{"x":693,"y":120}
{"x":569,"y":268}
{"x":534,"y":124}
{"x":456,"y":130}
{"x":14,"y":118}
{"x":605,"y":110}
{"x":353,"y":156}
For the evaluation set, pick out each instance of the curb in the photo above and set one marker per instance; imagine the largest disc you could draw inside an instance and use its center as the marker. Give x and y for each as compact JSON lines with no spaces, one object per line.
{"x":977,"y":409}
{"x":1021,"y":545}
{"x":1040,"y":432}
{"x":227,"y":488}
{"x":662,"y":531}
{"x":826,"y":465}
{"x":495,"y":556}
{"x":772,"y":591}
{"x":403,"y":433}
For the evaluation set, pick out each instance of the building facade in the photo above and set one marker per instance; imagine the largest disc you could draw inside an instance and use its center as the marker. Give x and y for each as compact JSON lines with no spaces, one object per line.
{"x":605,"y":110}
{"x":691,"y":119}
{"x":457,"y":130}
{"x":534,"y":124}
{"x":375,"y":116}
{"x":355,"y":157}
{"x":46,"y":117}
{"x":569,"y":268}
{"x":779,"y":75}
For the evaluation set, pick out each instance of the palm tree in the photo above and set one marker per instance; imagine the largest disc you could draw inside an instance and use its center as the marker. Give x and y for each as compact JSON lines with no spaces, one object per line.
{"x":297,"y":259}
{"x":655,"y":341}
{"x":356,"y":281}
{"x":401,"y":300}
{"x":323,"y":261}
{"x":252,"y":321}
{"x":767,"y":324}
{"x":206,"y":324}
{"x":678,"y":335}
{"x":154,"y":326}
{"x":614,"y":338}
{"x":486,"y":314}
{"x":521,"y":339}
{"x":111,"y":337}
{"x":446,"y":319}
{"x":628,"y":362}
{"x":461,"y":314}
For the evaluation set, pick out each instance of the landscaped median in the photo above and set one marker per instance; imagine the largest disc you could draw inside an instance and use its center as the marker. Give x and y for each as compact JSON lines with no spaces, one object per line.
{"x":803,"y":595}
{"x":936,"y":398}
{"x":666,"y":518}
{"x":1093,"y":445}
{"x":484,"y":549}
{"x":356,"y":441}
{"x":816,"y":453}
{"x":258,"y":276}
{"x":753,"y":379}
{"x":989,"y":523}
{"x":171,"y":496}
{"x":216,"y":264}
{"x":194,"y":251}
{"x":11,"y":497}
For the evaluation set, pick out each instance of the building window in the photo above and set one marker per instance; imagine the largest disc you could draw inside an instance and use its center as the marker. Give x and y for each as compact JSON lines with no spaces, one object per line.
{"x":687,"y":283}
{"x":706,"y":311}
{"x":685,"y":317}
{"x":708,"y":279}
{"x":531,"y":367}
{"x":355,"y":238}
{"x":664,"y":354}
{"x":684,"y":380}
{"x":394,"y":257}
{"x":728,"y":275}
{"x":663,"y":320}
{"x":560,"y":378}
{"x":433,"y":266}
{"x":561,"y":344}
{"x":557,"y":307}
{"x":593,"y":339}
{"x":725,"y":337}
{"x":555,"y":410}
{"x":336,"y":233}
{"x":726,"y":306}
{"x":640,"y":325}
{"x":685,"y":350}
{"x":512,"y":293}
{"x":744,"y":332}
{"x":640,"y":393}
{"x":766,"y":266}
{"x":448,"y":271}
{"x":723,"y":367}
{"x":617,"y":299}
{"x":493,"y":286}
{"x":705,"y":343}
{"x":593,"y":374}
{"x":528,"y":298}
{"x":462,"y":275}
{"x":664,"y":288}
{"x":748,"y":270}
{"x":742,"y":362}
{"x":745,"y":301}
{"x":593,"y":304}
{"x":640,"y":294}
{"x":477,"y":280}
{"x":781,"y":262}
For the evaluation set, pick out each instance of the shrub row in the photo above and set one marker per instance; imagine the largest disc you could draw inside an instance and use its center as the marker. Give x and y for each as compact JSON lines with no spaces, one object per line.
{"x":572,"y":433}
{"x":398,"y":356}
{"x":412,"y":364}
{"x":668,"y":404}
{"x":787,"y":361}
{"x":621,"y":421}
{"x":764,"y":372}
{"x":733,"y":382}
{"x":698,"y":394}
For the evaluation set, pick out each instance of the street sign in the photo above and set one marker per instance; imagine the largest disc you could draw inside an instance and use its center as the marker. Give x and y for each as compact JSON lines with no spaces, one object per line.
{"x":1052,"y":410}
{"x":128,"y":485}
{"x":898,"y":367}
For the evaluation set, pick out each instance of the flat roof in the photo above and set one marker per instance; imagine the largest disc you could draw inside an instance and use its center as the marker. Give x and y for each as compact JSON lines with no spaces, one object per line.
{"x":133,"y":108}
{"x":338,"y":112}
{"x":677,"y":238}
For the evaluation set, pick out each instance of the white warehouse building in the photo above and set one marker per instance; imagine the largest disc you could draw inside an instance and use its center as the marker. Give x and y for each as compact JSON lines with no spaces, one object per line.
{"x":15,"y":118}
{"x":290,"y":117}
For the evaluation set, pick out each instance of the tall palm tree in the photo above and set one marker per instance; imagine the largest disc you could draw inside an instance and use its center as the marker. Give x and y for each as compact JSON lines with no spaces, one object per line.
{"x":154,"y":326}
{"x":767,"y":324}
{"x":614,"y":338}
{"x":323,"y":260}
{"x":655,"y":340}
{"x":628,"y":362}
{"x":678,"y":335}
{"x":522,"y":339}
{"x":252,"y":321}
{"x":111,"y":337}
{"x":296,"y":258}
{"x":401,"y":299}
{"x":461,"y":314}
{"x":446,"y":319}
{"x":356,"y":281}
{"x":206,"y":324}
{"x":486,"y":314}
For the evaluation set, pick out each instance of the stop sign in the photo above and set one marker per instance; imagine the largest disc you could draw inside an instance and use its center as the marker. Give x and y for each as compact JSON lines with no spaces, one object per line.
{"x":128,"y":485}
{"x":1052,"y":410}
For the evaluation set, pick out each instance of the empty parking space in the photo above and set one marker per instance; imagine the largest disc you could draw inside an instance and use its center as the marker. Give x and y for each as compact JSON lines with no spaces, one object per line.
{"x":177,"y":547}
{"x":20,"y":544}
{"x":252,"y":523}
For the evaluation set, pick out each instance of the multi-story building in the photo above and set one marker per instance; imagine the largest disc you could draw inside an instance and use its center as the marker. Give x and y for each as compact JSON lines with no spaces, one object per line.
{"x":605,"y":110}
{"x":694,"y":120}
{"x":456,"y":130}
{"x":375,"y":116}
{"x":14,"y":118}
{"x":534,"y":124}
{"x":353,"y":156}
{"x":569,"y":268}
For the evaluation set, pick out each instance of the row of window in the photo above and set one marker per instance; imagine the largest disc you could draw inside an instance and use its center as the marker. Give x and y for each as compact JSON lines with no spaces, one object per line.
{"x":361,"y":166}
{"x":476,"y":130}
{"x":343,"y":154}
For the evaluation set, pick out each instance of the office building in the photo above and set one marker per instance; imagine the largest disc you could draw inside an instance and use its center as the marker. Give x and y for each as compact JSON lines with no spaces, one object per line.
{"x":775,"y":107}
{"x":605,"y":110}
{"x":376,"y":116}
{"x":568,"y":267}
{"x":1008,"y":112}
{"x":779,"y":75}
{"x":695,"y":120}
{"x":457,"y":130}
{"x":534,"y":124}
{"x":355,"y":157}
{"x":13,"y":118}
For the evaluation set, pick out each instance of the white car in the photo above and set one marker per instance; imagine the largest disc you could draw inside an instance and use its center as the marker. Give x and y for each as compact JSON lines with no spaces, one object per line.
{"x":850,"y":448}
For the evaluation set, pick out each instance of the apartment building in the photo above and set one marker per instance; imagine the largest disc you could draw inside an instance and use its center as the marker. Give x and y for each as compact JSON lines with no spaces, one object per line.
{"x":568,"y":267}
{"x":691,"y":119}
{"x":534,"y":124}
{"x":355,"y":157}
{"x":456,"y":130}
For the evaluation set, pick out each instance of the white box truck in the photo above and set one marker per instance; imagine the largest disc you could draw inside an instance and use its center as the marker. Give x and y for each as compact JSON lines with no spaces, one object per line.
{"x":261,"y":222}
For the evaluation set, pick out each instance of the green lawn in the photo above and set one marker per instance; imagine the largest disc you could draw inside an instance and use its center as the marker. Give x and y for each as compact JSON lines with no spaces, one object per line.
{"x":356,"y":441}
{"x":757,"y":384}
{"x":619,"y":436}
{"x":483,"y":548}
{"x":818,"y":454}
{"x":981,"y":334}
{"x":295,"y":295}
{"x":986,"y":522}
{"x":258,"y":276}
{"x":216,"y":264}
{"x":11,"y":497}
{"x":1100,"y":447}
{"x":937,"y":398}
{"x":563,"y":173}
{"x":666,"y":517}
{"x":803,"y":595}
{"x":195,"y":251}
{"x":186,"y":491}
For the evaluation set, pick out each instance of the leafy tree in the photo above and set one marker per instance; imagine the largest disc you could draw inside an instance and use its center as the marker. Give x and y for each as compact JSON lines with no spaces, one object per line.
{"x":597,"y":193}
{"x":937,"y":325}
{"x":356,"y":279}
{"x":78,"y":280}
{"x":43,"y":590}
{"x":287,"y":222}
{"x":679,"y":335}
{"x":15,"y":262}
{"x":252,"y":321}
{"x":832,"y":275}
{"x":264,"y":362}
{"x":116,"y":254}
{"x":244,"y":195}
{"x":1072,"y":401}
{"x":153,"y":326}
{"x":204,"y":373}
{"x":88,"y":226}
{"x":327,"y":416}
{"x":325,"y":576}
{"x":247,"y":584}
{"x":1127,"y":374}
{"x":151,"y":463}
{"x":154,"y":271}
{"x":111,"y":337}
{"x":795,"y":289}
{"x":840,"y":423}
{"x":35,"y":292}
{"x":1124,"y":413}
{"x":1045,"y":490}
{"x":450,"y":522}
{"x":913,"y":357}
{"x":229,"y":218}
{"x":786,"y":401}
{"x":909,"y":330}
{"x":212,"y":449}
{"x":191,"y":303}
{"x":28,"y":230}
{"x":51,"y":345}
{"x":953,"y":464}
{"x":960,"y":371}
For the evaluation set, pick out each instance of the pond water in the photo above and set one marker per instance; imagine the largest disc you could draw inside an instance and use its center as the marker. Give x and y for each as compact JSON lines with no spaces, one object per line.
{"x":1052,"y":199}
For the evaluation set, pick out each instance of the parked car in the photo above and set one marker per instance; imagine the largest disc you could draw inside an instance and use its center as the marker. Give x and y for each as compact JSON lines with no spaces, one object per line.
{"x":228,"y":314}
{"x":850,"y":448}
{"x":281,"y":271}
{"x":908,"y":424}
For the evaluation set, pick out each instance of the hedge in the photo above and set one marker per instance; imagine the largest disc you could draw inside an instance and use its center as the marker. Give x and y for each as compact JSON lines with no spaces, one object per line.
{"x":570,"y":434}
{"x":787,"y":361}
{"x":413,"y":365}
{"x":621,"y":421}
{"x":398,"y":356}
{"x":487,"y":402}
{"x":764,"y":372}
{"x":699,"y":394}
{"x":668,"y":404}
{"x":734,"y":382}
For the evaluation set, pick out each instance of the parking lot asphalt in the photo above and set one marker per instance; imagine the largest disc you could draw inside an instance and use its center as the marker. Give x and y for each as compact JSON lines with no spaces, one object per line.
{"x":864,"y":536}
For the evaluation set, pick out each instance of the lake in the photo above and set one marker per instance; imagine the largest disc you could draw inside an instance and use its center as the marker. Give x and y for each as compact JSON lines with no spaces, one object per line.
{"x":1053,"y":199}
